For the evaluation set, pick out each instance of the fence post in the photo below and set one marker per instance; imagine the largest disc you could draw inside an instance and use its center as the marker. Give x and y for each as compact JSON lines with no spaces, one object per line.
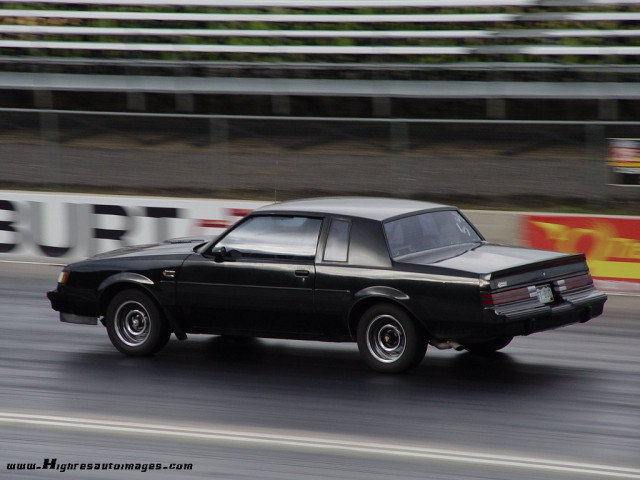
{"x":400,"y":145}
{"x":595,"y":169}
{"x":50,"y":134}
{"x":219,"y":143}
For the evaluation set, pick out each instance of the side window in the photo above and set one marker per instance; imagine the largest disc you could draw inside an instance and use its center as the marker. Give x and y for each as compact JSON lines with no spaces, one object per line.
{"x":275,"y":236}
{"x":337,"y":249}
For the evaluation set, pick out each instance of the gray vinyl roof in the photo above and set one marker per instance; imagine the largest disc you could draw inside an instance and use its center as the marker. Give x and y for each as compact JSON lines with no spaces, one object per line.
{"x":373,"y":208}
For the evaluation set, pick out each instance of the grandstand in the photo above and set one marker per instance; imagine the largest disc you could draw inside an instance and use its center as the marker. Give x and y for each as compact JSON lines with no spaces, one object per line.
{"x":503,"y":52}
{"x":415,"y":87}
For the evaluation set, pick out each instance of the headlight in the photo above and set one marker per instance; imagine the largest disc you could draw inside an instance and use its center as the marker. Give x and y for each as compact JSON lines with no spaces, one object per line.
{"x":63,"y":276}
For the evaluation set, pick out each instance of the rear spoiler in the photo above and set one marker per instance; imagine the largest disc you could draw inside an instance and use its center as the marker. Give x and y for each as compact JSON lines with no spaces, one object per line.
{"x":539,"y":272}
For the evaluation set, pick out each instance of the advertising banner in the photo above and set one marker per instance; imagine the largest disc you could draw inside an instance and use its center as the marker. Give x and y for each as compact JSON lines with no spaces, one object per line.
{"x":60,"y":228}
{"x":623,"y":161}
{"x":611,"y":244}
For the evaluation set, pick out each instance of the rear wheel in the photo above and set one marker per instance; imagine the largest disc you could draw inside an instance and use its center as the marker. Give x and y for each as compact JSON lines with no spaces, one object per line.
{"x":489,"y":347}
{"x":135,"y":324}
{"x":389,"y":341}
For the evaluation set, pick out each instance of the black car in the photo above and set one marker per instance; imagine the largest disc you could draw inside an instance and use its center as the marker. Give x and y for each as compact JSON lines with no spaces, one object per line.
{"x":393,"y":275}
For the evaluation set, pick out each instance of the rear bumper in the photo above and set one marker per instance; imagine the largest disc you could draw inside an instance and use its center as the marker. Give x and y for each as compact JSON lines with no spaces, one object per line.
{"x":578,"y":308}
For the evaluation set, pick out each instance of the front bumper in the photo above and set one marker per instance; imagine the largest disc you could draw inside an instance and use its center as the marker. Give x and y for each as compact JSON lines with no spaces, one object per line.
{"x":78,"y":319}
{"x":73,"y":308}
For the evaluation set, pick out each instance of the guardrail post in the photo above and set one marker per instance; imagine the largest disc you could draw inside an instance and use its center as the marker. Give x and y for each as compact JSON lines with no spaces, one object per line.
{"x":184,"y":102}
{"x":281,"y":104}
{"x":607,"y":109}
{"x":496,"y":108}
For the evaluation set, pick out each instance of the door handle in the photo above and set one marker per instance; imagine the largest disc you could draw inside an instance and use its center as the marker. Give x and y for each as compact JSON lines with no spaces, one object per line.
{"x":302,"y":273}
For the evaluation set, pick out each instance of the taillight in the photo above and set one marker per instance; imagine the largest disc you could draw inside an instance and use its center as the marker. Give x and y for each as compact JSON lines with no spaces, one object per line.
{"x":573,"y":283}
{"x":490,"y":299}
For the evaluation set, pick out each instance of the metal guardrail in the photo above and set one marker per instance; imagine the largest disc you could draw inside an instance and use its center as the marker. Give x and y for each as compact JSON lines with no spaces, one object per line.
{"x":322,"y":88}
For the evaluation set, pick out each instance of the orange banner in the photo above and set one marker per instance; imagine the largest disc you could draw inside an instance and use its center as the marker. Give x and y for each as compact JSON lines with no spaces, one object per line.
{"x":611,"y":244}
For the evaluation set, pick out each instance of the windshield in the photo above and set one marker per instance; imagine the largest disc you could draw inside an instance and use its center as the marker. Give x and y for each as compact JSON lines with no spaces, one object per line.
{"x":427,"y":231}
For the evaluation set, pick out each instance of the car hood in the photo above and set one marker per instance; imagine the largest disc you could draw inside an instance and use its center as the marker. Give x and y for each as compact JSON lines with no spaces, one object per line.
{"x":483,"y":258}
{"x":174,"y":246}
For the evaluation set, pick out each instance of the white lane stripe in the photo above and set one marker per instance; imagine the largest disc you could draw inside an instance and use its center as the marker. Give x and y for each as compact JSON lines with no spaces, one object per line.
{"x":313,"y":443}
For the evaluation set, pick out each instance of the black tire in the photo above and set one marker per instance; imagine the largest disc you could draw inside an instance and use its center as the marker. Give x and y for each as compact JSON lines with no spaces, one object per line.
{"x":489,"y":347}
{"x":389,"y":341}
{"x":135,"y":324}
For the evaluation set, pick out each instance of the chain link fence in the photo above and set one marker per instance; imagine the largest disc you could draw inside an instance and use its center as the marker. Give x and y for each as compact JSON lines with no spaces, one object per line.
{"x":477,"y":163}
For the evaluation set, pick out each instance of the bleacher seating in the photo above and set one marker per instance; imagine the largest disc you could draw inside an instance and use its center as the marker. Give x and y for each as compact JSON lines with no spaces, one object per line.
{"x":371,"y":48}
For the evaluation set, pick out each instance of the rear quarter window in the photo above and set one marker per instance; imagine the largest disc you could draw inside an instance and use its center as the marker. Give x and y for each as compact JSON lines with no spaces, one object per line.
{"x":337,"y":248}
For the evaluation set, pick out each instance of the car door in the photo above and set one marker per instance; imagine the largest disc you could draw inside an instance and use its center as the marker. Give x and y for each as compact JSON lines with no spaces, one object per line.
{"x":257,"y":280}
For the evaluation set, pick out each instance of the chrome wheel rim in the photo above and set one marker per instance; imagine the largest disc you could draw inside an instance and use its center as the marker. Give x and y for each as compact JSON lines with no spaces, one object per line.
{"x":132,"y":323}
{"x":386,"y":339}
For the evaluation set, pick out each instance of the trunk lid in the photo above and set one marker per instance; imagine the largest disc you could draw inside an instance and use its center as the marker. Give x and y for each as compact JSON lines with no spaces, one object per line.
{"x":503,"y":266}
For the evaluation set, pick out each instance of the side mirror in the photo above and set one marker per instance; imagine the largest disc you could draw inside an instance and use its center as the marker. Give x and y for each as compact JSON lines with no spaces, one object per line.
{"x":219,"y":254}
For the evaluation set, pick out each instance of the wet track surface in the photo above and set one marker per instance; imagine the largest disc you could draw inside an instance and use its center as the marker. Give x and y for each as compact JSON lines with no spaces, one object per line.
{"x":562,"y":404}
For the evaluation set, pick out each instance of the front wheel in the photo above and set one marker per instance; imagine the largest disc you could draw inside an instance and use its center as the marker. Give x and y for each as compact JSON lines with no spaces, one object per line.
{"x":135,"y":324}
{"x":488,"y":347}
{"x":388,"y":339}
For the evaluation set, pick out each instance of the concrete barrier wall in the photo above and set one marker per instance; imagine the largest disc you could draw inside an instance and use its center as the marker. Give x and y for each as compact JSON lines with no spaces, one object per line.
{"x":62,"y":228}
{"x":498,"y":227}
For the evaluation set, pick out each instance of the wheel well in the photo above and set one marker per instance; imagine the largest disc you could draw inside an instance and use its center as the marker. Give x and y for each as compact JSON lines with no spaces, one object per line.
{"x":358,"y":310}
{"x":113,"y":290}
